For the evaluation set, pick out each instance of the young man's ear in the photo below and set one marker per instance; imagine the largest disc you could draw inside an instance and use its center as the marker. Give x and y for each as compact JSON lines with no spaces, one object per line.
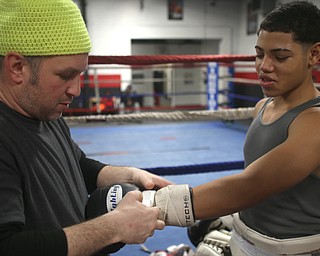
{"x":15,"y":64}
{"x":315,"y":54}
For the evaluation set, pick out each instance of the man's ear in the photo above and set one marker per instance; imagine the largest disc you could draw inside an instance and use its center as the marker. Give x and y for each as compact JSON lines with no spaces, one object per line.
{"x":315,"y":54}
{"x":15,"y":64}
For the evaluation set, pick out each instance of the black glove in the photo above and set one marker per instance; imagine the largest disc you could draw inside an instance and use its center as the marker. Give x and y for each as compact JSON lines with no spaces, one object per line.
{"x":197,"y":231}
{"x":104,"y":200}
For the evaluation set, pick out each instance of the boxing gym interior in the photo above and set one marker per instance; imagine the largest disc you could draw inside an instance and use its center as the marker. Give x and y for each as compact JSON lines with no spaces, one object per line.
{"x":170,"y":88}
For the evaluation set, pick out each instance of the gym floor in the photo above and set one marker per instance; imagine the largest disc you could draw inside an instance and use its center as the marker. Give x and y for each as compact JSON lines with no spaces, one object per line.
{"x":154,"y":144}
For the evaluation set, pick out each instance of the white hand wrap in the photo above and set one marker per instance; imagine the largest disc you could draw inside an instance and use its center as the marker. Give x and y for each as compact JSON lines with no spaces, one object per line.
{"x":148,"y":197}
{"x":175,"y":203}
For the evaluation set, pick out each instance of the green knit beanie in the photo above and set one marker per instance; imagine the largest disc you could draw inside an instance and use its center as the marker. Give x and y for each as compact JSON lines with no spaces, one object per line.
{"x":42,"y":28}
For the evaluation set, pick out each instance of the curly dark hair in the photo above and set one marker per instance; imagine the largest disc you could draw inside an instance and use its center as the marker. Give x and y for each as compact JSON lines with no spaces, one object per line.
{"x":301,"y":18}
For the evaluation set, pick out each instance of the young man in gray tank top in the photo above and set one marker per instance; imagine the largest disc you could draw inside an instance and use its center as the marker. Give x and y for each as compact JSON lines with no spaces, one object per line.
{"x":277,"y":197}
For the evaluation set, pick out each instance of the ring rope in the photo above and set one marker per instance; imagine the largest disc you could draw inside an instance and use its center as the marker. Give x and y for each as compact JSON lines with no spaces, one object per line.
{"x":162,"y":59}
{"x":198,"y":168}
{"x":226,"y":114}
{"x":243,"y":97}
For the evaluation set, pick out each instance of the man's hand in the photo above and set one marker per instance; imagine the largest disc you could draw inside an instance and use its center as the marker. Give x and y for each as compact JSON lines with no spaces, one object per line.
{"x":135,"y":221}
{"x":130,"y":222}
{"x":123,"y":174}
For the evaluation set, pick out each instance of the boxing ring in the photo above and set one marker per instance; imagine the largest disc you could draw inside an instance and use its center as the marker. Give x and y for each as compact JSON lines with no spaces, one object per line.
{"x":182,"y":144}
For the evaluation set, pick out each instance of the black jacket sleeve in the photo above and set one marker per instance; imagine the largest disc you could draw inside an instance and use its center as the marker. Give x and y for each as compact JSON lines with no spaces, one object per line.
{"x":15,"y":242}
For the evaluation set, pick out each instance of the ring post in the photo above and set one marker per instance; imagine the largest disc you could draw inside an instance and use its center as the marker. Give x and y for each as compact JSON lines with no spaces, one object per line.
{"x":212,"y":85}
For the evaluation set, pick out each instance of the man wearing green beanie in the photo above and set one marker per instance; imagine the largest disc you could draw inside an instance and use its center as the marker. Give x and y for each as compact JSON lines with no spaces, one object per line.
{"x":45,"y":176}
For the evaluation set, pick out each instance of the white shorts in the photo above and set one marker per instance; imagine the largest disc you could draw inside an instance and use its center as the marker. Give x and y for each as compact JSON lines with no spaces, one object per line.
{"x":248,"y":242}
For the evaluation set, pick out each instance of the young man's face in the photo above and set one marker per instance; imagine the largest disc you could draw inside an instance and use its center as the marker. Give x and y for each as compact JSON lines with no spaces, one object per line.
{"x":58,"y":82}
{"x":281,"y":63}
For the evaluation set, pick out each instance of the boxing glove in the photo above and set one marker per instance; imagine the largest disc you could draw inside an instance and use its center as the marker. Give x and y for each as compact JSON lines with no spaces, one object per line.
{"x":174,"y":202}
{"x":201,"y":228}
{"x":215,"y":243}
{"x":104,"y":200}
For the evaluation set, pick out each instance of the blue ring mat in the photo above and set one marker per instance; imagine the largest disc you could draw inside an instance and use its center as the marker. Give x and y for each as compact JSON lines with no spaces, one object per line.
{"x":160,"y":145}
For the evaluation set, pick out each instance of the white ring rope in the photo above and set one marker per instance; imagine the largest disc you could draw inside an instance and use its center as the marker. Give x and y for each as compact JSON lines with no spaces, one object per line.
{"x":226,"y":114}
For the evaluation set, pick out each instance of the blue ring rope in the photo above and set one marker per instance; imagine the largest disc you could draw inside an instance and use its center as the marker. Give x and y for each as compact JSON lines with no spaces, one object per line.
{"x":200,"y":168}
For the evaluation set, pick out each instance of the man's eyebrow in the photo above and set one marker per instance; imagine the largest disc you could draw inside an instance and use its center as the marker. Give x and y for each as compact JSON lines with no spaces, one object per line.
{"x":274,"y":50}
{"x":72,"y":70}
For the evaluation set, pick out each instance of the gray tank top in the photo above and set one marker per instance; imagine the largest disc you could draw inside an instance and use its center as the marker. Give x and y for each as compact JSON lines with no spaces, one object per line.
{"x":292,"y":213}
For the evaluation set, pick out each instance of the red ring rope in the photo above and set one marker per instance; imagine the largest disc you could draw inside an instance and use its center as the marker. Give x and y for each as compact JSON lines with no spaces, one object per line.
{"x":162,"y":59}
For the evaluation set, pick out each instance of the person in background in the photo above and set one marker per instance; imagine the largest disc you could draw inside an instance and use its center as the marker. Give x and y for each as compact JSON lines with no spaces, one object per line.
{"x":128,"y":97}
{"x":45,"y":176}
